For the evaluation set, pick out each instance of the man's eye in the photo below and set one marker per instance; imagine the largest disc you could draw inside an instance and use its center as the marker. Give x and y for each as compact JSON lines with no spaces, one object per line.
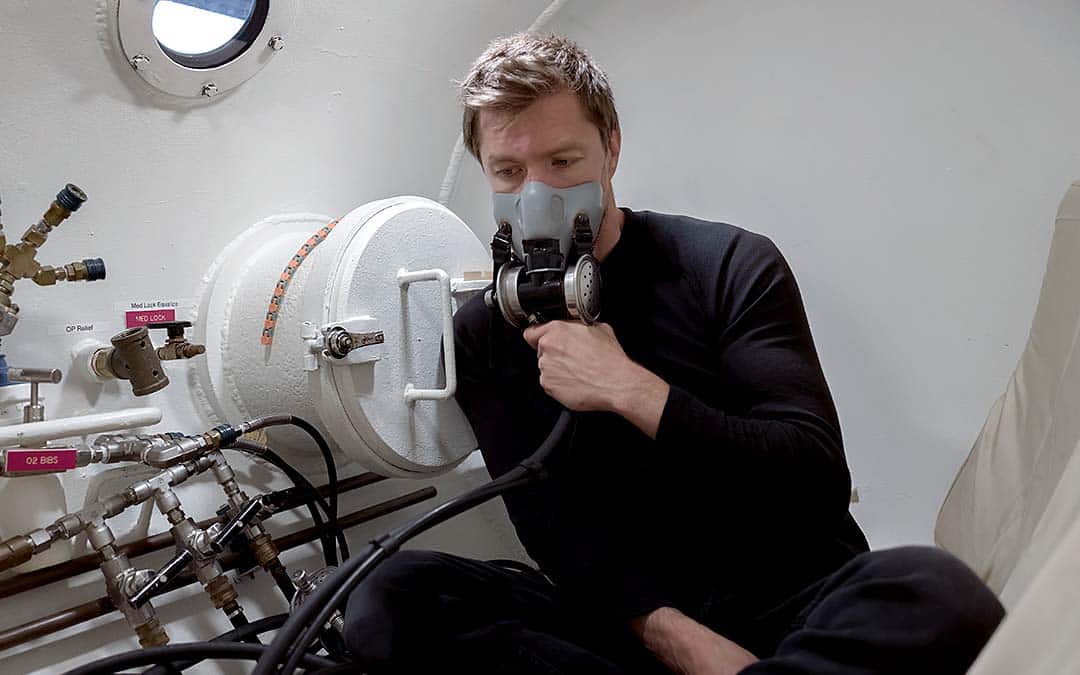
{"x":506,"y":173}
{"x":560,"y":162}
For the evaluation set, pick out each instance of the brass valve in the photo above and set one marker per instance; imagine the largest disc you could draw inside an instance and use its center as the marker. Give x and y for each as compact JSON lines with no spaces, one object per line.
{"x":133,"y":356}
{"x":176,"y":345}
{"x":19,"y":260}
{"x":90,"y":269}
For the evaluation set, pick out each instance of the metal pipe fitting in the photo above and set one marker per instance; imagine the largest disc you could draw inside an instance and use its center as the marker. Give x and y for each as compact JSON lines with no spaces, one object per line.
{"x":87,"y":269}
{"x":179,"y":349}
{"x":306,"y":585}
{"x":100,"y":536}
{"x":222,"y":592}
{"x":15,"y":551}
{"x":226,"y":478}
{"x":263,"y":422}
{"x":67,"y":202}
{"x":189,"y":536}
{"x":157,"y":450}
{"x":176,"y":345}
{"x":174,"y":475}
{"x":183,"y":449}
{"x":169,"y":505}
{"x":195,"y":548}
{"x":72,"y":616}
{"x":133,"y":358}
{"x":121,"y":579}
{"x":266,"y":552}
{"x":71,"y":524}
{"x":152,"y":634}
{"x":112,"y":448}
{"x":9,"y":312}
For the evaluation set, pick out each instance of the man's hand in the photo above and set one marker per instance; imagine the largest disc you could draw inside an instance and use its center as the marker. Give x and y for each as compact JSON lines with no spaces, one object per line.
{"x":687,"y":647}
{"x":585,"y":368}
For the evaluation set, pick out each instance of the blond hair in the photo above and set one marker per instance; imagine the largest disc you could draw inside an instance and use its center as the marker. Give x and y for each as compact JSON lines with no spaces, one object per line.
{"x":514,"y":71}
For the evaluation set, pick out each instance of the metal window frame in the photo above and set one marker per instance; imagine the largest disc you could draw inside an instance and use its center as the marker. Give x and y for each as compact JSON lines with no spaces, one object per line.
{"x":208,"y":75}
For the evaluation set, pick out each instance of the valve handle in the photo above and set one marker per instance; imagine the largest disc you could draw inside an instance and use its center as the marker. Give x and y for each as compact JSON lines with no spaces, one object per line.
{"x":251,"y":512}
{"x":163,"y":576}
{"x":35,"y":375}
{"x":175,"y":328}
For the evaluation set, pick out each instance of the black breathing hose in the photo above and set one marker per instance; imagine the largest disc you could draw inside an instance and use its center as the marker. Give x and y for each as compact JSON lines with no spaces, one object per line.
{"x":242,"y":634}
{"x":335,"y":670}
{"x":239,"y":619}
{"x":312,"y":498}
{"x":290,"y":644}
{"x":324,"y":449}
{"x":325,"y":536}
{"x":331,"y":476}
{"x":187,"y":650}
{"x":284,"y":583}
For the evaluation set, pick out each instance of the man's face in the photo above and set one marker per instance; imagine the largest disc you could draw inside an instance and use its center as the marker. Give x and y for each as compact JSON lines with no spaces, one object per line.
{"x":551,"y":141}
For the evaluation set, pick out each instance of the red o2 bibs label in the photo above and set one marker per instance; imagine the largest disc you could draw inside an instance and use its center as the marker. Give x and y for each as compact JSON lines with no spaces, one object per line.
{"x":32,"y":460}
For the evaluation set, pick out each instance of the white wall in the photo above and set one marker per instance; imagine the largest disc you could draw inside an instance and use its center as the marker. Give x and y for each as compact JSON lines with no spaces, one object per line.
{"x":908,"y":159}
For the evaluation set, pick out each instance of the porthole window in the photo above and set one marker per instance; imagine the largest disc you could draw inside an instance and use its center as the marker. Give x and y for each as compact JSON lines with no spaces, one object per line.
{"x":200,"y":49}
{"x":207,"y":33}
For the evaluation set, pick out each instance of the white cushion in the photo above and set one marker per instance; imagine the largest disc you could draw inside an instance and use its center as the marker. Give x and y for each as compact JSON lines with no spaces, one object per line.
{"x":1013,"y":512}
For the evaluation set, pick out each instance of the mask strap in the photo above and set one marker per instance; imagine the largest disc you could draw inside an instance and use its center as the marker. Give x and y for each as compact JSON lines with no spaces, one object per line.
{"x":501,"y":248}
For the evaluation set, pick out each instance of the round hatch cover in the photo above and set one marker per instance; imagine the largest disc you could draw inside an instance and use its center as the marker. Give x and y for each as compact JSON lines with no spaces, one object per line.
{"x":407,"y":236}
{"x":387,"y":335}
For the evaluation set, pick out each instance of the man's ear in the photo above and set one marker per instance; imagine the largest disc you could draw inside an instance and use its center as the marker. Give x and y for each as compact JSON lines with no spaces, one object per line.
{"x":614,"y":146}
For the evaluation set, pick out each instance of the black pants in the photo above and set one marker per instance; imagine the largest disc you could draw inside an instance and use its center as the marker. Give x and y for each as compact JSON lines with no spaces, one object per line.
{"x":905,"y":610}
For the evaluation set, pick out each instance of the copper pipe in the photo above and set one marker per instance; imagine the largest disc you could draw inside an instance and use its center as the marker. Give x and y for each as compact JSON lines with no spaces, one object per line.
{"x":73,"y":616}
{"x":28,"y":581}
{"x":55,"y":622}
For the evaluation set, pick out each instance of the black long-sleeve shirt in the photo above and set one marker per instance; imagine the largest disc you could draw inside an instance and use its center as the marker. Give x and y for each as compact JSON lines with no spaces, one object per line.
{"x":742,"y":498}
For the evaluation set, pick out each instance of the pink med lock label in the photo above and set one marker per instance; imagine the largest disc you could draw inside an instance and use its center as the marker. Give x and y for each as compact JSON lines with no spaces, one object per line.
{"x":142,"y":317}
{"x":26,"y":460}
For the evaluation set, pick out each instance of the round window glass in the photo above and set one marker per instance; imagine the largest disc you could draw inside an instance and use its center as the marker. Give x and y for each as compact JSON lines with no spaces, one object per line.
{"x":207,"y":33}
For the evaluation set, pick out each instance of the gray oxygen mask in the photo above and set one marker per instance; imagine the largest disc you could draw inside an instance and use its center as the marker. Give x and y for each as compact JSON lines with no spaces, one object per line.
{"x":542,"y":253}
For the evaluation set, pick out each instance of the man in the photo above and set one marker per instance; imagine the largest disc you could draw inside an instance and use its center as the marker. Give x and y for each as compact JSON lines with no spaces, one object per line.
{"x":696,"y":519}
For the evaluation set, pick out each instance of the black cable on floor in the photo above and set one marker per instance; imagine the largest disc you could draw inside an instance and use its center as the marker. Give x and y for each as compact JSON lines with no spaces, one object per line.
{"x":240,"y":634}
{"x":187,"y":650}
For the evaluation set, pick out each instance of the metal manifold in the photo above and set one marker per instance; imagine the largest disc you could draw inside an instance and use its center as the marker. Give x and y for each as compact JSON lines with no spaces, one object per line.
{"x":19,"y":260}
{"x":204,"y":551}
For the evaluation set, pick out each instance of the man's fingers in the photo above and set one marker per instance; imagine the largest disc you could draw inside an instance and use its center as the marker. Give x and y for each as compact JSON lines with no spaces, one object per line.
{"x":533,"y":333}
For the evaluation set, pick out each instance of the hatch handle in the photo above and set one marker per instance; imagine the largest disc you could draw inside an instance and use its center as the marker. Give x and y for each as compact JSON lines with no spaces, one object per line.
{"x":412,"y":393}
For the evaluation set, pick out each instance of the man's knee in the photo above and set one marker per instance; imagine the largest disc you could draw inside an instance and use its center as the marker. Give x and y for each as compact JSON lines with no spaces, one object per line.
{"x":379,"y":607}
{"x":964,"y":609}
